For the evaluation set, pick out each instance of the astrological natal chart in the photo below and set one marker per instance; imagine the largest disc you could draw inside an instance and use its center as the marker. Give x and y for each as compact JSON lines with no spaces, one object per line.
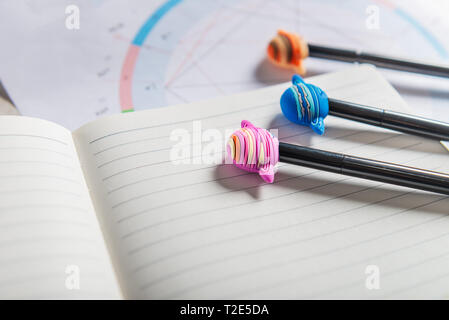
{"x":191,"y":50}
{"x":143,"y":54}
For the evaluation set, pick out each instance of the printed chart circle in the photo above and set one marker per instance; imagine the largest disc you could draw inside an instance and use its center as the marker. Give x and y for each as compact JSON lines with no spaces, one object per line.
{"x":190,"y":50}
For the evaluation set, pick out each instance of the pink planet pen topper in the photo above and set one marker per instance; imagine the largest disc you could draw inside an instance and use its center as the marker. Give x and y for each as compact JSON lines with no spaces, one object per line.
{"x":256,"y":150}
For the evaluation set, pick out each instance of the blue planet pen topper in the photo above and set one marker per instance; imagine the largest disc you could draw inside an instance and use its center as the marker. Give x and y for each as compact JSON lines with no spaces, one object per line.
{"x":305,"y":104}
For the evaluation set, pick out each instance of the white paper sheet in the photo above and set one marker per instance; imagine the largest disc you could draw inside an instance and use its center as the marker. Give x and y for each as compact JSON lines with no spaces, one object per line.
{"x":145,"y":54}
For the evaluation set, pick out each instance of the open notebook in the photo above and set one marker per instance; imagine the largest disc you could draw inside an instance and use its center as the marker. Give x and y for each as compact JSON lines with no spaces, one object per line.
{"x":103,"y":213}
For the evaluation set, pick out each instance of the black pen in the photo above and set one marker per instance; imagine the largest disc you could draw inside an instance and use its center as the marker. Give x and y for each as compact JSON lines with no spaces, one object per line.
{"x":257,"y":150}
{"x":289,"y":50}
{"x":306,"y":104}
{"x":381,"y":61}
{"x":393,"y":120}
{"x":364,"y":168}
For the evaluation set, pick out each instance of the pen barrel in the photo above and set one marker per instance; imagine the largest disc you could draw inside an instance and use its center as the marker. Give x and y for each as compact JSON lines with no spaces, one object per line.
{"x":378,"y":60}
{"x":397,"y":121}
{"x":364,"y":168}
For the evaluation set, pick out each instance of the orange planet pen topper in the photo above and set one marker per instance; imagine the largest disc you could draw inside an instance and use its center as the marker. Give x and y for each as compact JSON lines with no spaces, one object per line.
{"x":289,"y":50}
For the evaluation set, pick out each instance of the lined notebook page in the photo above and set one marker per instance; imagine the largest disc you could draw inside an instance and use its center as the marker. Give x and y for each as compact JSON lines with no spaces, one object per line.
{"x":214,"y":231}
{"x":51,"y":246}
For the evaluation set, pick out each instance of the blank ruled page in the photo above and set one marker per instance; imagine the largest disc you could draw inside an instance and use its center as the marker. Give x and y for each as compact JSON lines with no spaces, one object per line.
{"x":195,"y":229}
{"x":51,"y":246}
